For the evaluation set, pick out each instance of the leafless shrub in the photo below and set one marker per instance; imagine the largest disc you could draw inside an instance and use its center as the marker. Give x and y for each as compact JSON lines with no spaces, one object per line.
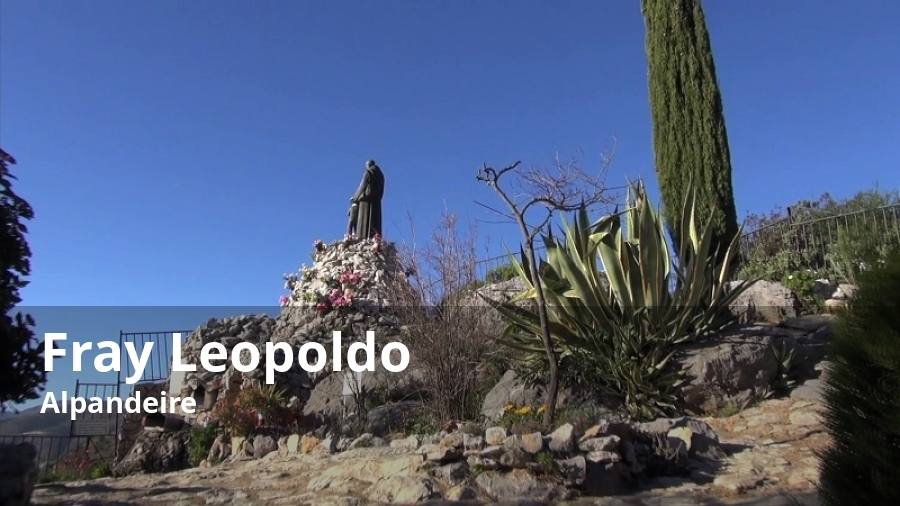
{"x":447,"y":329}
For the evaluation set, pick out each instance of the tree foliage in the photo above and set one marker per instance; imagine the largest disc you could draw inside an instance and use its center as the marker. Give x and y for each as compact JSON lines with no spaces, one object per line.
{"x":21,"y":367}
{"x":689,"y":136}
{"x":862,"y":396}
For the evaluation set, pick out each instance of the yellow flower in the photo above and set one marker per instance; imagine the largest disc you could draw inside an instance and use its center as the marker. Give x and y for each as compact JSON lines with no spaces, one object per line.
{"x":542,"y":409}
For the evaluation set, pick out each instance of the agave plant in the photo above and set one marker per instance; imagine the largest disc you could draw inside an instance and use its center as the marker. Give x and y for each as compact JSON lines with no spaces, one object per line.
{"x":620,"y":301}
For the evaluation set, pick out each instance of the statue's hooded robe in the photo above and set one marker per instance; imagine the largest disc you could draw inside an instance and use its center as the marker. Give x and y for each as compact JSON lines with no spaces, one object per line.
{"x":368,"y":198}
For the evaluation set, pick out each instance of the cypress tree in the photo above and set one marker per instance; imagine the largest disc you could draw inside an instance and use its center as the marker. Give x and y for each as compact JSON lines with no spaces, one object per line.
{"x":689,"y":137}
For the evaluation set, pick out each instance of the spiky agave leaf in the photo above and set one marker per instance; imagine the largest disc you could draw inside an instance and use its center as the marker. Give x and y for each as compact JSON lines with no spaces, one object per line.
{"x":619,"y":302}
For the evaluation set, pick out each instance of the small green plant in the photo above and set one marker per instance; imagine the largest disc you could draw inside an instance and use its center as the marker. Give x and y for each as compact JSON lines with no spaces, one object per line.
{"x":243,"y":410}
{"x":521,"y":419}
{"x":730,"y":408}
{"x":420,"y":424}
{"x":862,"y":396}
{"x":99,"y":470}
{"x":200,"y":441}
{"x":546,"y":463}
{"x":803,"y":284}
{"x":858,"y":250}
{"x":501,"y":273}
{"x":785,"y":379}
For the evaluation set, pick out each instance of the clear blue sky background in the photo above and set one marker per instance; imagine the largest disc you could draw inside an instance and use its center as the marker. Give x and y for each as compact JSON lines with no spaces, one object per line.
{"x":188,"y":153}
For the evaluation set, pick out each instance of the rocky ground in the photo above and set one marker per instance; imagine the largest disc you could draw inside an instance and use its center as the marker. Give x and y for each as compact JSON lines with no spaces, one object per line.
{"x":770,"y":461}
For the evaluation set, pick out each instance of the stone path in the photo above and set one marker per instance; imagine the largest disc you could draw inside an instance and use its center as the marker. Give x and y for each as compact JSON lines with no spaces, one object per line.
{"x":771,"y":462}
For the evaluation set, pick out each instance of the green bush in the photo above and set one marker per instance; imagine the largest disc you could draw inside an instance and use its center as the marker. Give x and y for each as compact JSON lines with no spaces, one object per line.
{"x":862,"y":396}
{"x":500,"y":273}
{"x":841,"y":248}
{"x":859,"y":250}
{"x":803,"y":284}
{"x":200,"y":442}
{"x":616,"y":329}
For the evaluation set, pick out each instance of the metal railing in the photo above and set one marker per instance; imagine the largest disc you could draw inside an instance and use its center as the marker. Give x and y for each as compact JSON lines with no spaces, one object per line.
{"x":67,"y":457}
{"x":813,"y":239}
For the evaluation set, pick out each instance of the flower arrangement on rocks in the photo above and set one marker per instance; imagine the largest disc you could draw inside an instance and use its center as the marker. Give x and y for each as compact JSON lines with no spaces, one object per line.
{"x":346,"y":271}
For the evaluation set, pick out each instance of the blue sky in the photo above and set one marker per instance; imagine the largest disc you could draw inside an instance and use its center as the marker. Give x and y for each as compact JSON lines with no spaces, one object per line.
{"x":188,"y":153}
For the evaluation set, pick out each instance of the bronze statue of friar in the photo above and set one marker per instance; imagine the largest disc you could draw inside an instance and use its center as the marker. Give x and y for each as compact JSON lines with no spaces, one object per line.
{"x":365,"y":204}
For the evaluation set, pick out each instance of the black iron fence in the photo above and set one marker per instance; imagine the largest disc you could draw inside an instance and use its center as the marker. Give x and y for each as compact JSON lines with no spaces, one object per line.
{"x":160,"y":362}
{"x":815,"y":240}
{"x":68,"y":457}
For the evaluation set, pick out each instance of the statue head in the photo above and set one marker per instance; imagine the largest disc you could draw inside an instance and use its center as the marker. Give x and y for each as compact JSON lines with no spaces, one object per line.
{"x":370,"y":164}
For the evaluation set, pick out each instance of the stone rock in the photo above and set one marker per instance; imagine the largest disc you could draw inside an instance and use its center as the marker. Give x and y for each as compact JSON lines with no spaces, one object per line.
{"x":363,"y":441}
{"x":453,"y":440}
{"x":218,"y":451}
{"x":697,"y":437}
{"x":532,"y":443}
{"x":810,"y":390}
{"x":823,"y":288}
{"x":736,"y":367}
{"x":509,"y":390}
{"x":263,"y":445}
{"x":562,"y":440}
{"x":237,"y":444}
{"x":155,"y":452}
{"x":804,"y":417}
{"x":372,"y":468}
{"x":835,"y":305}
{"x":599,"y":444}
{"x":293,"y":443}
{"x":383,"y":419}
{"x":844,"y":291}
{"x":491,"y":452}
{"x":494,"y":436}
{"x":438,"y":453}
{"x":573,"y":470}
{"x":518,"y":484}
{"x":514,"y":458}
{"x":765,"y":301}
{"x":308,"y":443}
{"x":407,"y":443}
{"x":595,"y":430}
{"x":461,"y":492}
{"x":472,"y":443}
{"x":18,"y":473}
{"x":452,"y":473}
{"x":400,"y":490}
{"x":602,"y":457}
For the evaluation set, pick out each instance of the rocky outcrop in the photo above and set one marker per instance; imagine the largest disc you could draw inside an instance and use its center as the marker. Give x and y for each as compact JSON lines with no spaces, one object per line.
{"x":18,"y":473}
{"x":765,"y":301}
{"x":347,"y":289}
{"x":741,"y":366}
{"x":155,"y":451}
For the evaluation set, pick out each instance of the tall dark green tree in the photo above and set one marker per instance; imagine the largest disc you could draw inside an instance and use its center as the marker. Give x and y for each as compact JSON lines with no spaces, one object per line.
{"x":21,"y":359}
{"x":862,"y":396}
{"x":689,"y":137}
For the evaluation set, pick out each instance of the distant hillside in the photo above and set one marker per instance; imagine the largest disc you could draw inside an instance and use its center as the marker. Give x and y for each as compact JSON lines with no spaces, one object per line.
{"x":31,"y":421}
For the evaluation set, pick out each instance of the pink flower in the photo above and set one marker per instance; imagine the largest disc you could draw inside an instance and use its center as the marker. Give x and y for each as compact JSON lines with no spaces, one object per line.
{"x":284,"y":300}
{"x":350,"y":278}
{"x":323,"y":306}
{"x":340,"y":299}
